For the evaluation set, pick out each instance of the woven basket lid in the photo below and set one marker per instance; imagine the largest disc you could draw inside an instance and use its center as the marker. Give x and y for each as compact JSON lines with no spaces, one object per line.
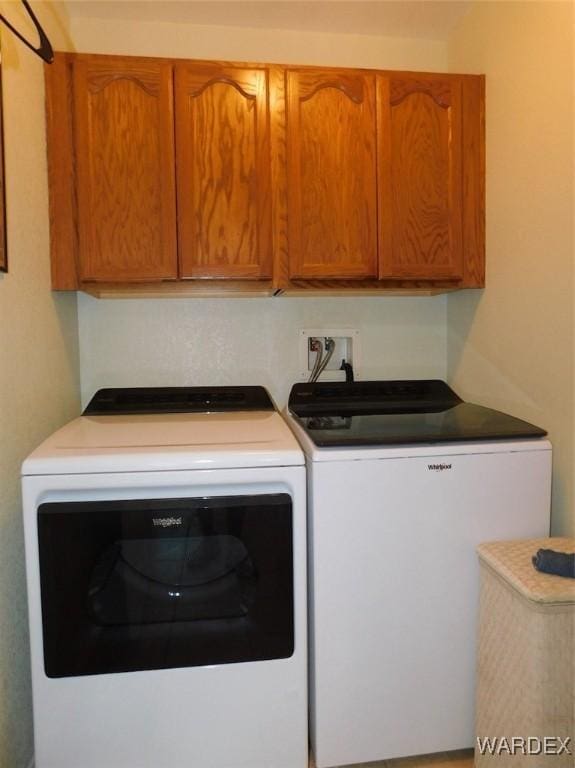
{"x":512,"y":561}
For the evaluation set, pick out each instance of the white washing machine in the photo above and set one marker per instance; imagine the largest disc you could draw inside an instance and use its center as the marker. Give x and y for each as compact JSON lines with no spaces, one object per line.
{"x":404,"y":481}
{"x":166,"y":566}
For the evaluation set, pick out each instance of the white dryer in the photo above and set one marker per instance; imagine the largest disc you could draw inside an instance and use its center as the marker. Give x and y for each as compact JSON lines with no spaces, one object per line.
{"x":404,"y":481}
{"x":166,"y":565}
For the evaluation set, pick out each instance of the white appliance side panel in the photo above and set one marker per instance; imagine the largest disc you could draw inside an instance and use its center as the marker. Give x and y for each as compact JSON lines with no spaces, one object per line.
{"x":394,"y":584}
{"x":245,"y":715}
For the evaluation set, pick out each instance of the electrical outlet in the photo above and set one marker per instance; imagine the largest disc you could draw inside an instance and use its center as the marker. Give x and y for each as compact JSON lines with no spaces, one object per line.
{"x":346,"y":348}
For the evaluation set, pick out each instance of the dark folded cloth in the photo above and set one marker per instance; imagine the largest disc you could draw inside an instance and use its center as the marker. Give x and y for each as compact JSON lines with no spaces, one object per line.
{"x":556,"y":563}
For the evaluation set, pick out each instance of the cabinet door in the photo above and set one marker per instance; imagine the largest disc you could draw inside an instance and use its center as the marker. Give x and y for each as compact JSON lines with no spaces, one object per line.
{"x":124,"y":142}
{"x":332,"y":193}
{"x":223,"y":171}
{"x":420,"y":189}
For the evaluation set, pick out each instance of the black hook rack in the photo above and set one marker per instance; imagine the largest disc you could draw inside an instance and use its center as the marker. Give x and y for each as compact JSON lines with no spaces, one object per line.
{"x":44,"y":50}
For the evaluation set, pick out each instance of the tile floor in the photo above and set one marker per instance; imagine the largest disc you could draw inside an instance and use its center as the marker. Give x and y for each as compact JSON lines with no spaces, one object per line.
{"x":460,"y":759}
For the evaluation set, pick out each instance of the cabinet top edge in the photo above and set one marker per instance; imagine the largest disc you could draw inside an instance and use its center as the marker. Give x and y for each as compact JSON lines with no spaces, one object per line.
{"x":103,"y":57}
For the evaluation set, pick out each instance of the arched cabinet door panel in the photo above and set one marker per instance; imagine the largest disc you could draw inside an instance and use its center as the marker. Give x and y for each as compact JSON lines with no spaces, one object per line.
{"x":420,"y":177}
{"x":223,"y":171}
{"x":331,"y":174}
{"x":124,"y":154}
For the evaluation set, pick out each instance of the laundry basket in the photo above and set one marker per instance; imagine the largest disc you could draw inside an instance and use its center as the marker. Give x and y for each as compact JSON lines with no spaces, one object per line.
{"x":526,"y":659}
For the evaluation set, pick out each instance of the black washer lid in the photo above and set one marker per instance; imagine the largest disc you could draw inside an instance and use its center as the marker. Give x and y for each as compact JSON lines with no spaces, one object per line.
{"x":372,"y":413}
{"x":402,"y":396}
{"x":135,"y":400}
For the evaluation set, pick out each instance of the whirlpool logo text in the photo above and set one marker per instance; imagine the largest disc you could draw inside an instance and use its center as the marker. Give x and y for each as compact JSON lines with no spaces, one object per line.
{"x":167,"y":522}
{"x":438,"y":467}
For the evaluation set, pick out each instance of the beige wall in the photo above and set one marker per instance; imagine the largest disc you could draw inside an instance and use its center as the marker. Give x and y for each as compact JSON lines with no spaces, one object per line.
{"x":93,"y":35}
{"x":38,"y":363}
{"x":511,"y":346}
{"x":252,"y":341}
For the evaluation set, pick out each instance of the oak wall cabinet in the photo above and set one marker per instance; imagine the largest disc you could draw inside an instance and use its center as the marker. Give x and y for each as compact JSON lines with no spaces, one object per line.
{"x":159,"y":176}
{"x":172,"y":177}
